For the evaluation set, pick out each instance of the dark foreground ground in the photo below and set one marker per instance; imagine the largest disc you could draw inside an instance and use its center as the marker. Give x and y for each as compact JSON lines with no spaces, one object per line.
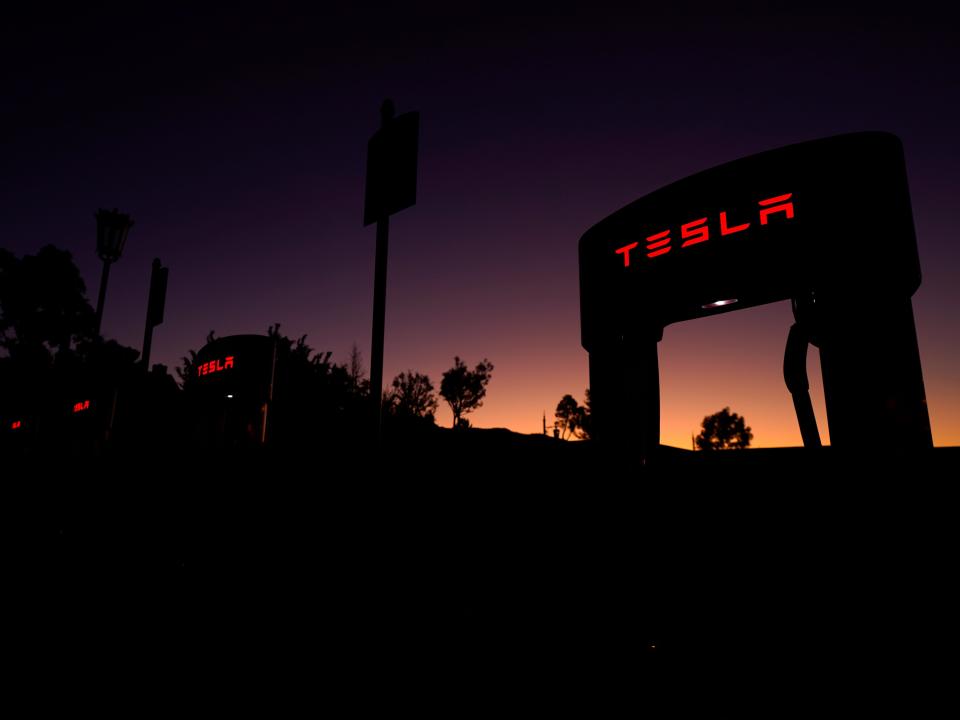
{"x":474,"y":564}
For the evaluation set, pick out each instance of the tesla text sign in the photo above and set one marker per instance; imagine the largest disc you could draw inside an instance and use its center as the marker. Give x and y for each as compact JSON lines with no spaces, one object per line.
{"x":829,"y":216}
{"x":236,"y":365}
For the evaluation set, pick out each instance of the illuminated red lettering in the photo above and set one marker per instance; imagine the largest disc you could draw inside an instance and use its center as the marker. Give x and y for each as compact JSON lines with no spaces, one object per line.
{"x":695,"y":232}
{"x":625,"y":251}
{"x":783,"y":207}
{"x":698,"y":231}
{"x":725,"y":230}
{"x":220,"y":364}
{"x":659,"y":244}
{"x":81,"y":406}
{"x":15,"y":425}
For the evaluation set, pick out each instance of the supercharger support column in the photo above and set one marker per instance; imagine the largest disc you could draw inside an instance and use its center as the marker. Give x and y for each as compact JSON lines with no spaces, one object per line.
{"x":872,"y":377}
{"x":625,"y":397}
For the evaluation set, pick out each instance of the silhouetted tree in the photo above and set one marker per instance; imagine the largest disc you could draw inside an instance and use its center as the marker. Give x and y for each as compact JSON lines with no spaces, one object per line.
{"x":464,"y":389}
{"x":411,"y":396}
{"x":573,"y":419}
{"x":313,"y":396}
{"x":723,"y":431}
{"x":188,"y":366}
{"x":357,"y":373}
{"x":188,"y":363}
{"x":585,"y":421}
{"x":43,"y":305}
{"x":568,"y":416}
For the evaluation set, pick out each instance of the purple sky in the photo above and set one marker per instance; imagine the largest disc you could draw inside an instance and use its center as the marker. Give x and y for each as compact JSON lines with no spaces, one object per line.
{"x":236,"y":138}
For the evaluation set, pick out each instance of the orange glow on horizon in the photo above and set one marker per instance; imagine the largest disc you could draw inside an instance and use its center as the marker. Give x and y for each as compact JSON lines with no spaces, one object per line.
{"x":705,"y":365}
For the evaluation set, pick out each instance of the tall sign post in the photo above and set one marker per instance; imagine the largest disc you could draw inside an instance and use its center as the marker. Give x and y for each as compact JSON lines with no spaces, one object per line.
{"x":391,"y":187}
{"x":155,"y":306}
{"x":826,"y":224}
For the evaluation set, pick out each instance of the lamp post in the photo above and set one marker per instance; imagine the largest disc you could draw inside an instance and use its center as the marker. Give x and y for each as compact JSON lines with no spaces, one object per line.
{"x":112,"y":229}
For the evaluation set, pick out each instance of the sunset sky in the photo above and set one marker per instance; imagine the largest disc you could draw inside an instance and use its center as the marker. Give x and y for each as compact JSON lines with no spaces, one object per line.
{"x":236,"y":138}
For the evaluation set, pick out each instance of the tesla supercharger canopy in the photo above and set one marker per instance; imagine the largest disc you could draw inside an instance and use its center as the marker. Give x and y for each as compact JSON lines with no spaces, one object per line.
{"x":240,"y":366}
{"x":827,"y":224}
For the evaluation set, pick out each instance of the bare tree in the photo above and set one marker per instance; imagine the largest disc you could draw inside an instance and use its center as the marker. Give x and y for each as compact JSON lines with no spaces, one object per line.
{"x":357,"y":372}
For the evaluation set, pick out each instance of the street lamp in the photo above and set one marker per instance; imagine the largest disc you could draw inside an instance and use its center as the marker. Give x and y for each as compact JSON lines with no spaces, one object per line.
{"x":112,"y":229}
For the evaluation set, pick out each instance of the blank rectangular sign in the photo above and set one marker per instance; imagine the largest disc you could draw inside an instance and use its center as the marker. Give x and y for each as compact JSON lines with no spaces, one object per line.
{"x":392,"y":168}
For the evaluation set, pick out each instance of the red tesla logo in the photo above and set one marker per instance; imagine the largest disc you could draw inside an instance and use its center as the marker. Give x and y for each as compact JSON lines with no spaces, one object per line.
{"x":698,"y":231}
{"x":215,"y":366}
